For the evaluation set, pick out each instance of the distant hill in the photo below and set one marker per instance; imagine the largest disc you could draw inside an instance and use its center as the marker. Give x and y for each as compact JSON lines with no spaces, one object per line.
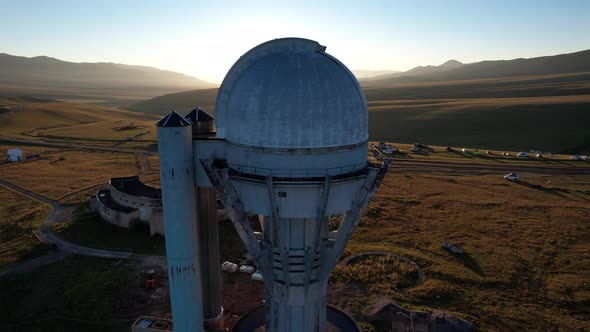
{"x":546,"y":65}
{"x":101,"y":83}
{"x":182,"y":102}
{"x":416,"y":71}
{"x":365,"y":73}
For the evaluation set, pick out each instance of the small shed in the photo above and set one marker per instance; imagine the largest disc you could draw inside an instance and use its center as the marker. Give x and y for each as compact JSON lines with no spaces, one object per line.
{"x":14,"y":155}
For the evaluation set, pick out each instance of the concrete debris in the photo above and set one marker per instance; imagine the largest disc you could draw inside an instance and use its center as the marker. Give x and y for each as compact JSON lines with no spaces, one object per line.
{"x":257,"y":276}
{"x":247,"y":269}
{"x":229,"y":267}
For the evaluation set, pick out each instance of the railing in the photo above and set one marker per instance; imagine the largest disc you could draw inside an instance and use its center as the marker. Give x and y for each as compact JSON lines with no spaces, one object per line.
{"x":298,"y":173}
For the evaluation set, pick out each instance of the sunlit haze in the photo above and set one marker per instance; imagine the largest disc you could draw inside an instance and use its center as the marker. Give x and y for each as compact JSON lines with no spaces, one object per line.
{"x":204,"y":38}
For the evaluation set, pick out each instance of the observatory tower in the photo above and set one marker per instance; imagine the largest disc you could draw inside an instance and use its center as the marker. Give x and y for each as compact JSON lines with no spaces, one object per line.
{"x":291,"y":148}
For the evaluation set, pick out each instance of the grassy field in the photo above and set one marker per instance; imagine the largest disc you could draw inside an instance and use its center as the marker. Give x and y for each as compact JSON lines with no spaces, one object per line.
{"x":88,"y":229}
{"x":18,"y":215}
{"x":77,"y":294}
{"x":61,"y":173}
{"x":527,"y":258}
{"x":527,"y":261}
{"x":57,"y":121}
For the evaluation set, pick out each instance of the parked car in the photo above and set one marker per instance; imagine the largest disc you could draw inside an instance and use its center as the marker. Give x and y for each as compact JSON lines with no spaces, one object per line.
{"x":415,"y":149}
{"x":575,"y":157}
{"x":512,"y":176}
{"x":419,"y":145}
{"x":389,"y":150}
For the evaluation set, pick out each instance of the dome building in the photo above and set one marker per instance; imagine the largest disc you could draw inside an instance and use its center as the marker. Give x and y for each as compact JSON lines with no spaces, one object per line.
{"x":290,"y":147}
{"x":288,"y":105}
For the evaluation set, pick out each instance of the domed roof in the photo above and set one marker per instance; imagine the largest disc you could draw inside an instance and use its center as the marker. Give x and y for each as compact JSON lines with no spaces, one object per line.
{"x":289,"y":93}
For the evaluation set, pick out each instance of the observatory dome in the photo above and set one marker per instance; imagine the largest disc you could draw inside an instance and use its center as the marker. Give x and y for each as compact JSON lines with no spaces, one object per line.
{"x":289,"y":93}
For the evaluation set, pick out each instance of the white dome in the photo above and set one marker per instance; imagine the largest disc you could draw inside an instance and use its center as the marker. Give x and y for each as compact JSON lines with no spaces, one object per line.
{"x":289,"y":93}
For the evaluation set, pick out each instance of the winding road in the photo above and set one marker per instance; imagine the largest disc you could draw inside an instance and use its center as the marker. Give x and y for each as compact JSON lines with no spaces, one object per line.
{"x":58,"y":212}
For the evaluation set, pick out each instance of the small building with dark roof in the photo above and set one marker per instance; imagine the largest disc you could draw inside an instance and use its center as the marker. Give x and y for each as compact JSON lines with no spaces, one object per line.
{"x":126,"y":201}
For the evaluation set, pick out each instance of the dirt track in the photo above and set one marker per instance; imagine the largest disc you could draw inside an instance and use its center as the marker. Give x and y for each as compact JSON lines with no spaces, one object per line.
{"x":72,"y":146}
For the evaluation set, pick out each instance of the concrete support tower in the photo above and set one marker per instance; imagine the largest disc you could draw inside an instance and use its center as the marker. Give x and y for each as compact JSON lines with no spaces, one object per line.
{"x":291,"y":148}
{"x":178,"y":198}
{"x":203,"y":127}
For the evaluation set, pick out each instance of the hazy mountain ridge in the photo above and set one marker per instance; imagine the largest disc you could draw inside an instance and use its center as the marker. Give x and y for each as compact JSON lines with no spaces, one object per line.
{"x":50,"y":73}
{"x":420,"y":70}
{"x":366,"y":73}
{"x":546,"y":65}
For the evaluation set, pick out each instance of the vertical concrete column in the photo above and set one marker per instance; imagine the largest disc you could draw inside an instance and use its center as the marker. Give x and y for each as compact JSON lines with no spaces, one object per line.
{"x":203,"y":127}
{"x":180,"y":222}
{"x":209,"y":249}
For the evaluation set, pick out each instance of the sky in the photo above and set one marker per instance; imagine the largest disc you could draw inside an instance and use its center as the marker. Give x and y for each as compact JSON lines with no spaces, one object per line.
{"x":204,"y":38}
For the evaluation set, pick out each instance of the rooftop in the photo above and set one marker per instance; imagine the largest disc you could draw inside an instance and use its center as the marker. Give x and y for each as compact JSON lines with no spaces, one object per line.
{"x":173,"y":119}
{"x":290,"y":93}
{"x":132,"y":185}
{"x":104,"y":196}
{"x":198,"y":115}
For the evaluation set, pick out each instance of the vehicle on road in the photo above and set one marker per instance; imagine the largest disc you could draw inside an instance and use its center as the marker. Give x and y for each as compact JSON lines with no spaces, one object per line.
{"x":512,"y":177}
{"x":522,"y":154}
{"x":389,"y":150}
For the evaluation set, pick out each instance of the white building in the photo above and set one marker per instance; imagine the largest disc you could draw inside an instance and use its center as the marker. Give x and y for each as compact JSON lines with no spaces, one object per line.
{"x":14,"y":154}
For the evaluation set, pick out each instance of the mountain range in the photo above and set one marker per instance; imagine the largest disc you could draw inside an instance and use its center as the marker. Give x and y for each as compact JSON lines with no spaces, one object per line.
{"x":53,"y":78}
{"x":365,"y":73}
{"x":453,"y":70}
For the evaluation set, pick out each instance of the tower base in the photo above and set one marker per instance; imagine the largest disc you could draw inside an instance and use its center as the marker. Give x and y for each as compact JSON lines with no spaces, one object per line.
{"x":255,"y":320}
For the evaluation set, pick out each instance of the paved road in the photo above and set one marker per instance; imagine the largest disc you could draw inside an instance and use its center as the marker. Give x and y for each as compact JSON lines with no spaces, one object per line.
{"x":58,"y":213}
{"x":72,"y":146}
{"x":428,"y":165}
{"x":29,"y":193}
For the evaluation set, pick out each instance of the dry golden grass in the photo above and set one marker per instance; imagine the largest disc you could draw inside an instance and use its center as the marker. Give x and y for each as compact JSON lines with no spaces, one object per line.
{"x":451,"y":105}
{"x":379,"y":273}
{"x":70,"y":122}
{"x":19,"y":214}
{"x":61,"y":173}
{"x":527,"y":261}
